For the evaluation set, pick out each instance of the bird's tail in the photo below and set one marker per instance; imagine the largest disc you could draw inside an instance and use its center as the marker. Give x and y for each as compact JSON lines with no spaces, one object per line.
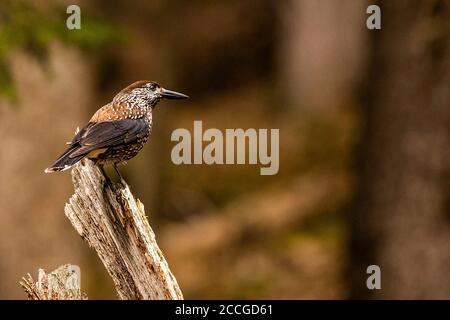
{"x":65,"y":161}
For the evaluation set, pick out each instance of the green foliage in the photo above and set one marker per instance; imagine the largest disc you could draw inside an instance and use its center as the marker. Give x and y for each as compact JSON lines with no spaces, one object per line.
{"x":26,"y":27}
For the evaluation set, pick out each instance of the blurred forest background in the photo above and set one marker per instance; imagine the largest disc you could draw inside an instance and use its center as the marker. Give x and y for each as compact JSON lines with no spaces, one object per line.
{"x":364,"y":124}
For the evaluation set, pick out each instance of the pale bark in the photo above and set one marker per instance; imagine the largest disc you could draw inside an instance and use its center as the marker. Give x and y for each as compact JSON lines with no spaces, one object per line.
{"x":113,"y":222}
{"x":60,"y":284}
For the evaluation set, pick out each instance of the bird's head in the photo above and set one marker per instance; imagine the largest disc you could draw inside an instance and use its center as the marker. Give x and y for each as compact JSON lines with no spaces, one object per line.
{"x":146,"y":94}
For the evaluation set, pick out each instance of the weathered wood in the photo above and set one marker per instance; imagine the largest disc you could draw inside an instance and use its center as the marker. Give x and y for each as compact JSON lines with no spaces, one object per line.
{"x":60,"y":284}
{"x":113,"y":222}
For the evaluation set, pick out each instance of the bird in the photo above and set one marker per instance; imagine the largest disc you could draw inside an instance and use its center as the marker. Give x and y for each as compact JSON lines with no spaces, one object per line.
{"x":117,"y":131}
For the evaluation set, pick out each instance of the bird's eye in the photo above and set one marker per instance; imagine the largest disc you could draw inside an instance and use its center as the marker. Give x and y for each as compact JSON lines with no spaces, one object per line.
{"x":152,"y":86}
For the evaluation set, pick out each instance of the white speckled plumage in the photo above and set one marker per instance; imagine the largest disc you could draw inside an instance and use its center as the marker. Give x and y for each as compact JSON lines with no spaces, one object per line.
{"x":118,"y":130}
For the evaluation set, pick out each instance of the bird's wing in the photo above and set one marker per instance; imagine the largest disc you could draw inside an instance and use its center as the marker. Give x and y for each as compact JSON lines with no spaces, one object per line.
{"x":109,"y":134}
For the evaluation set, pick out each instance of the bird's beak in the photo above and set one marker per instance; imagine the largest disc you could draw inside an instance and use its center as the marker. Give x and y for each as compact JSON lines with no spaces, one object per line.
{"x":172,"y":95}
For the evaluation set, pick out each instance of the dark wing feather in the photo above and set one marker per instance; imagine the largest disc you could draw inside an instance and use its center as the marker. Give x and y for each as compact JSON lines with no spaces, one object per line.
{"x":109,"y":134}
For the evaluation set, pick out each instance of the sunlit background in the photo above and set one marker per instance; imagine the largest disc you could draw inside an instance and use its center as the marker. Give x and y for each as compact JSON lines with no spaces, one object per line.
{"x":364,"y":141}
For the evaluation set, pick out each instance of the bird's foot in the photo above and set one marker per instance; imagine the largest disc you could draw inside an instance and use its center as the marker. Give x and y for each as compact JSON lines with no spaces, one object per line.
{"x":119,"y":186}
{"x":107,"y":181}
{"x":122,"y":182}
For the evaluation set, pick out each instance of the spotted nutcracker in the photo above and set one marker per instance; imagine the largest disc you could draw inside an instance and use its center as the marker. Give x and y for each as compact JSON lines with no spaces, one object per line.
{"x":117,"y":131}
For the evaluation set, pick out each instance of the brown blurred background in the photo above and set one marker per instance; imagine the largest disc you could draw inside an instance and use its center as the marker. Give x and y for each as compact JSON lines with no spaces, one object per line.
{"x":364,"y":124}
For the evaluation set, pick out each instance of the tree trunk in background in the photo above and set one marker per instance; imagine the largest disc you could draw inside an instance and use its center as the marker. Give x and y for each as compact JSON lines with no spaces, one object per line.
{"x":402,"y":220}
{"x":53,"y":99}
{"x":322,"y":51}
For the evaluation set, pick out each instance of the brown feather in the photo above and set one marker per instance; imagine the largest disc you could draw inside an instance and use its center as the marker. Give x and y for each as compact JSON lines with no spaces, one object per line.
{"x":117,"y":111}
